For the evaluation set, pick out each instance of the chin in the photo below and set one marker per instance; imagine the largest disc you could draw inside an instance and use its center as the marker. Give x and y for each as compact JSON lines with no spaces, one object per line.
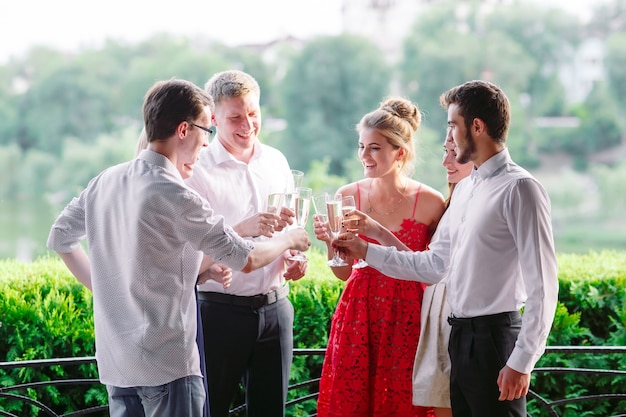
{"x":186,"y":172}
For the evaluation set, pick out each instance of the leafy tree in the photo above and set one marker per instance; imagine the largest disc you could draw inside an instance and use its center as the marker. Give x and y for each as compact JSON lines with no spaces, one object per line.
{"x":10,"y":156}
{"x":69,"y":100}
{"x":541,"y":31}
{"x":599,"y":127}
{"x":608,"y":17}
{"x":80,"y":162}
{"x":616,"y":66}
{"x":447,"y":47}
{"x":328,"y":87}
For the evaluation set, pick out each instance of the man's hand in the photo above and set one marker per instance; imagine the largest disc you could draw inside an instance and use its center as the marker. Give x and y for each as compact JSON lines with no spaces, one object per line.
{"x":299,"y":240}
{"x":217,"y":272}
{"x":295,"y":269}
{"x":287,"y":217}
{"x":260,"y":224}
{"x":512,"y":384}
{"x":350,"y":246}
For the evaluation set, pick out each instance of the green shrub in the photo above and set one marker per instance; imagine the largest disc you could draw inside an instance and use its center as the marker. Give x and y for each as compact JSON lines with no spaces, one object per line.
{"x":46,"y":313}
{"x":591,"y":312}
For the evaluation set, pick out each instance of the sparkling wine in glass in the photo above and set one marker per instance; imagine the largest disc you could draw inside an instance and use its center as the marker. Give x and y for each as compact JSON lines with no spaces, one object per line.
{"x":301,"y":203}
{"x":348,"y":205}
{"x":319,"y":205}
{"x":275,"y":202}
{"x":335,"y":218}
{"x":296,"y":177}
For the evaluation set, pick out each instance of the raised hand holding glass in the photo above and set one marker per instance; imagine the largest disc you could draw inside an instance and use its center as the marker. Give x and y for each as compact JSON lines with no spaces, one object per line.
{"x":302,"y":200}
{"x":335,"y":217}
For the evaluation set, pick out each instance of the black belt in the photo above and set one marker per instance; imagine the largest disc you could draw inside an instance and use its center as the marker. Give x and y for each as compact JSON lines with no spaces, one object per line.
{"x":489,"y":320}
{"x":254,"y":301}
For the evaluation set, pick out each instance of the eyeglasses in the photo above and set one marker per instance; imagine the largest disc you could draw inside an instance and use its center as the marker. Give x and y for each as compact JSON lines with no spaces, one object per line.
{"x":210,"y":130}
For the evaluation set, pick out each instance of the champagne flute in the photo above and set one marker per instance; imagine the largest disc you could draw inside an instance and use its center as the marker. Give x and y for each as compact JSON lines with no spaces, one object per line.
{"x":275,"y":202}
{"x":297,"y":177}
{"x":321,"y":212}
{"x":348,"y":205}
{"x":319,"y":205}
{"x":333,"y":206}
{"x":302,"y":200}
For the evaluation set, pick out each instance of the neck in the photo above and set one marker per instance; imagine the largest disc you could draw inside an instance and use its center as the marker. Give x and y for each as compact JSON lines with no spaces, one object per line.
{"x":487,"y":152}
{"x":389,"y":184}
{"x":241,"y":154}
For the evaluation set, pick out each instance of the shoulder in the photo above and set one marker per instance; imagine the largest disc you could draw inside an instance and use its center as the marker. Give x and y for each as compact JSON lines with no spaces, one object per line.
{"x":430,"y":203}
{"x":427,"y":194}
{"x":270,"y":151}
{"x":520,"y":178}
{"x":350,"y":189}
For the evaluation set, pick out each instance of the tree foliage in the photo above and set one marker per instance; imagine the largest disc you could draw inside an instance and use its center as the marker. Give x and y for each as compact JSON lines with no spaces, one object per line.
{"x":328,"y":87}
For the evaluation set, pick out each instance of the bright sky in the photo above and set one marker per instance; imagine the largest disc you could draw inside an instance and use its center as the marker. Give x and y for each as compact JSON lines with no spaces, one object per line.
{"x":69,"y":24}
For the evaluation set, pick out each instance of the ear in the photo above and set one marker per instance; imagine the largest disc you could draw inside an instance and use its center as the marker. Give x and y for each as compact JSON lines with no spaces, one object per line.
{"x":182,"y":130}
{"x":400,"y":155}
{"x":479,"y":126}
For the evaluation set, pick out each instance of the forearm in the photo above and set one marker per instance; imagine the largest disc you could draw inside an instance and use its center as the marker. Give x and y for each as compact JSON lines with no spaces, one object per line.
{"x":206,"y":263}
{"x":423,"y":266}
{"x":386,"y":238}
{"x":78,"y":264}
{"x":266,"y":251}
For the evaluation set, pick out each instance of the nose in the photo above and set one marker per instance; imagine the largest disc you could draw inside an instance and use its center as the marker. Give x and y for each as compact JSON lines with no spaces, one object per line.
{"x":246,"y":123}
{"x":448,"y":159}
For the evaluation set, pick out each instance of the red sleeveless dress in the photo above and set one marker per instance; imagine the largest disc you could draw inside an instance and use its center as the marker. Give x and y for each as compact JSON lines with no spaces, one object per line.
{"x":368,"y":366}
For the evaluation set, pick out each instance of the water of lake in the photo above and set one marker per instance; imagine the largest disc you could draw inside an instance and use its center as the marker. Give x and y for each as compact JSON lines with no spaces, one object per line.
{"x":24,"y":227}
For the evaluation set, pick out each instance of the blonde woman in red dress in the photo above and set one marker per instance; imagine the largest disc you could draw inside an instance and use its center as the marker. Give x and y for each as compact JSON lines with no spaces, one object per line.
{"x":376,"y":325}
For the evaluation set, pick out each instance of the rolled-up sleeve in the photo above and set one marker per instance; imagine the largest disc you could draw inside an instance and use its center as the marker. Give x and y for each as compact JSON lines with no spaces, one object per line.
{"x":69,"y":228}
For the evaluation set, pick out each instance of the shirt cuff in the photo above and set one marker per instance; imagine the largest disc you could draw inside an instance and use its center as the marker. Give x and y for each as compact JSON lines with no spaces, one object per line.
{"x":375,"y":255}
{"x":521,"y":361}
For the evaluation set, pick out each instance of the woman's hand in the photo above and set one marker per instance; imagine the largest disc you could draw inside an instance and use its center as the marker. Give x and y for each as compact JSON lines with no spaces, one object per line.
{"x":321,"y":229}
{"x":358,"y":222}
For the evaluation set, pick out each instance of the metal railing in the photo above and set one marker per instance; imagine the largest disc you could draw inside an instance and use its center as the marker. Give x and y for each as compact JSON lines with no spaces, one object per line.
{"x":553,"y":407}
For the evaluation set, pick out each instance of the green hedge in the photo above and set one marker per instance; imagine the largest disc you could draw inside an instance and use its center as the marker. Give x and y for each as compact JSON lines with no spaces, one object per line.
{"x":46,"y":313}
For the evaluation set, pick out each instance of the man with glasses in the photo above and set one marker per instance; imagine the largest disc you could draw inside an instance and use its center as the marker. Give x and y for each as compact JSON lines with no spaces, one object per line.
{"x":147,"y":233}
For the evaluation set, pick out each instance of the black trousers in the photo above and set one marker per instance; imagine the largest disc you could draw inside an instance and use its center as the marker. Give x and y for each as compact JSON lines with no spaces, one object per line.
{"x":479,"y":348}
{"x":252,"y":346}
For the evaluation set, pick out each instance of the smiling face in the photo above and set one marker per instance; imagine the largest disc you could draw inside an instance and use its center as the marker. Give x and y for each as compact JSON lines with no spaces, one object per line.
{"x":238,"y":121}
{"x":377,"y":155}
{"x":455,"y":171}
{"x":192,"y":143}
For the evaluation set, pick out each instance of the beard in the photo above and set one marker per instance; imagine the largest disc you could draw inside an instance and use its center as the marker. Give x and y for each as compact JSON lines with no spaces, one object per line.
{"x":469,"y":150}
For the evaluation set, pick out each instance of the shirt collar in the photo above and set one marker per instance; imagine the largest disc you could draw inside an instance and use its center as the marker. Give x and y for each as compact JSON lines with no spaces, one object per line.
{"x":161,"y":160}
{"x":221,"y":155}
{"x":491,"y":165}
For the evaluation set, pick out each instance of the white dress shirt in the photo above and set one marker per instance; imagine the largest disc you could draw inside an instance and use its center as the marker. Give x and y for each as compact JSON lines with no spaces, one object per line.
{"x":146,"y":231}
{"x":496,"y":243}
{"x":237,"y":190}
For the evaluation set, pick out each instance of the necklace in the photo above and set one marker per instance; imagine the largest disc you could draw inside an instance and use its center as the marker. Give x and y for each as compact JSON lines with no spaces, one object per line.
{"x":372,"y":209}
